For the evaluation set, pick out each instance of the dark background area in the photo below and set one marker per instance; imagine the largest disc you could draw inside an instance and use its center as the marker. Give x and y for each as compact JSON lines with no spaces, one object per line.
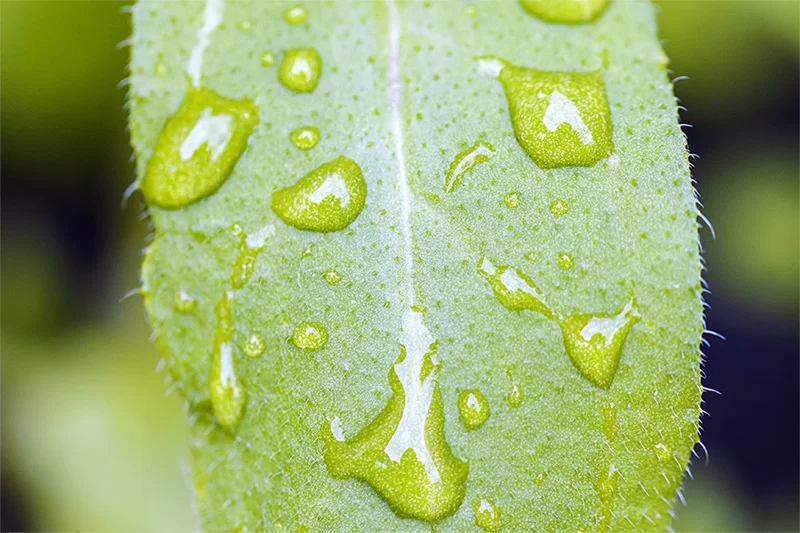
{"x":89,"y":441}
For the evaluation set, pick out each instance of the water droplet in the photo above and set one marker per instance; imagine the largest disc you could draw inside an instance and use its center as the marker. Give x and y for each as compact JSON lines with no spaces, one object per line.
{"x":610,"y":421}
{"x":478,"y":153}
{"x":515,"y":394}
{"x":403,"y":453}
{"x":594,"y":342}
{"x":488,"y":515}
{"x":559,"y":207}
{"x":295,"y":15}
{"x":473,"y":408}
{"x":565,"y":11}
{"x":250,"y":247}
{"x":161,"y":68}
{"x":607,"y":489}
{"x":300,"y":70}
{"x":332,"y":277}
{"x":471,"y":11}
{"x":267,"y":59}
{"x":254,"y":346}
{"x":327,"y":199}
{"x":245,"y":26}
{"x":512,"y":200}
{"x":228,"y":396}
{"x":198,"y":148}
{"x":513,"y":288}
{"x":305,"y":138}
{"x":184,"y":302}
{"x":565,"y":260}
{"x":310,"y":336}
{"x":540,"y":478}
{"x":662,"y":452}
{"x":560,"y":118}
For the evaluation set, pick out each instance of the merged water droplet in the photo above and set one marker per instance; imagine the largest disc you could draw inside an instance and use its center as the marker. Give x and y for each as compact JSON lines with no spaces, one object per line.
{"x":310,"y":336}
{"x":327,"y":199}
{"x":403,"y":453}
{"x":607,"y":487}
{"x":559,"y":207}
{"x":565,"y":260}
{"x":515,"y":394}
{"x":305,"y":138}
{"x":184,"y":302}
{"x":228,"y":396}
{"x":565,"y":11}
{"x":488,"y":515}
{"x":513,"y":288}
{"x":478,"y":153}
{"x":594,"y":342}
{"x":473,"y":407}
{"x":332,"y":276}
{"x":295,"y":15}
{"x":198,"y":148}
{"x":300,"y":70}
{"x":512,"y":199}
{"x":254,"y":346}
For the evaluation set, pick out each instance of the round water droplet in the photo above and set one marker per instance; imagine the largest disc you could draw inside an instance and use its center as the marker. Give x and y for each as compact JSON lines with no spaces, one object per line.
{"x":267,"y":59}
{"x":473,"y":408}
{"x":184,"y":302}
{"x":559,"y":207}
{"x":565,"y":260}
{"x":332,"y":277}
{"x":565,"y":11}
{"x":300,"y":70}
{"x":662,"y":452}
{"x":245,"y":26}
{"x":295,"y":15}
{"x":540,"y":478}
{"x":515,"y":394}
{"x":488,"y":515}
{"x":310,"y":336}
{"x":254,"y":346}
{"x":161,"y":68}
{"x":471,"y":11}
{"x":327,"y":199}
{"x":305,"y":138}
{"x":512,"y":200}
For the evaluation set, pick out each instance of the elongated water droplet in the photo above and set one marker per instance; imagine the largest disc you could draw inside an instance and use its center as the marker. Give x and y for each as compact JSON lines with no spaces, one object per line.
{"x":403,"y":453}
{"x":594,"y":342}
{"x":513,"y":288}
{"x":184,"y":302}
{"x":478,"y":153}
{"x":254,"y":346}
{"x":228,"y":396}
{"x":559,"y":207}
{"x":565,"y":260}
{"x":488,"y":516}
{"x":305,"y":138}
{"x":515,"y":394}
{"x":267,"y":59}
{"x":295,"y":15}
{"x":565,"y":11}
{"x":332,"y":277}
{"x":473,"y":408}
{"x":607,"y":488}
{"x":198,"y":148}
{"x":327,"y":199}
{"x":250,"y":247}
{"x":610,"y":421}
{"x":512,"y":200}
{"x":300,"y":70}
{"x":310,"y":336}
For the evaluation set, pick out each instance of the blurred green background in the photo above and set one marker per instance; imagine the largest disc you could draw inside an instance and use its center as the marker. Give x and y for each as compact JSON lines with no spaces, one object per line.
{"x":90,"y":440}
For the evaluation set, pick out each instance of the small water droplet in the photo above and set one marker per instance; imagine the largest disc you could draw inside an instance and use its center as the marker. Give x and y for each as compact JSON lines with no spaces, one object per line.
{"x":310,"y":336}
{"x":267,"y":59}
{"x":488,"y":515}
{"x":305,"y":138}
{"x":610,"y":421}
{"x":540,"y":478}
{"x":228,"y":396}
{"x":161,"y":68}
{"x":300,"y":70}
{"x":565,"y":11}
{"x":295,"y":15}
{"x":512,"y":200}
{"x":198,"y":148}
{"x":594,"y":342}
{"x":250,"y":247}
{"x":254,"y":346}
{"x":473,"y":408}
{"x":662,"y":452}
{"x":559,"y":207}
{"x":478,"y":153}
{"x":327,"y":199}
{"x":515,"y":394}
{"x":332,"y":276}
{"x":184,"y":302}
{"x":607,"y":489}
{"x":565,"y":260}
{"x":515,"y":290}
{"x":245,"y":26}
{"x":471,"y":11}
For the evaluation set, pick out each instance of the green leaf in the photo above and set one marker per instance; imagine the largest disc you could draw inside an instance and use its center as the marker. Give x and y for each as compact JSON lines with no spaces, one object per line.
{"x":472,"y":299}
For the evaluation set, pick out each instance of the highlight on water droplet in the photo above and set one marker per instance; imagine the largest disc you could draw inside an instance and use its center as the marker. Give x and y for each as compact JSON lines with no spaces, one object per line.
{"x":515,"y":394}
{"x":254,"y":346}
{"x":565,"y":11}
{"x":559,"y":118}
{"x":300,"y":70}
{"x":245,"y":26}
{"x":513,"y":289}
{"x":310,"y":336}
{"x":250,"y":247}
{"x":305,"y":138}
{"x":540,"y":478}
{"x":594,"y":342}
{"x":565,"y":260}
{"x":512,"y":199}
{"x":160,"y":68}
{"x":473,"y":407}
{"x":559,"y":207}
{"x":295,"y":15}
{"x":267,"y":59}
{"x":471,"y":11}
{"x":198,"y":148}
{"x":332,"y":276}
{"x":327,"y":199}
{"x":403,"y":453}
{"x":488,"y":515}
{"x":228,"y":396}
{"x":478,"y":153}
{"x":184,"y":302}
{"x":607,"y":488}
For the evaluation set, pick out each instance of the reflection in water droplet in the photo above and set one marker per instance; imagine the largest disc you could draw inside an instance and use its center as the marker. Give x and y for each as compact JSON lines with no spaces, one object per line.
{"x":305,"y":138}
{"x":512,"y":200}
{"x":488,"y":516}
{"x":565,"y":11}
{"x":473,"y":408}
{"x":559,"y":207}
{"x":295,"y":15}
{"x":332,"y":277}
{"x":228,"y":396}
{"x":513,"y":288}
{"x":310,"y":336}
{"x":403,"y":453}
{"x":478,"y":153}
{"x":327,"y":199}
{"x":565,"y":260}
{"x":515,"y":394}
{"x":300,"y":70}
{"x":267,"y":59}
{"x":254,"y":346}
{"x":184,"y":302}
{"x":607,"y":489}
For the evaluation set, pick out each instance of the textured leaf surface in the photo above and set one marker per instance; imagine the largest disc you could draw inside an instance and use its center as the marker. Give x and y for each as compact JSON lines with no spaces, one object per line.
{"x":486,"y":343}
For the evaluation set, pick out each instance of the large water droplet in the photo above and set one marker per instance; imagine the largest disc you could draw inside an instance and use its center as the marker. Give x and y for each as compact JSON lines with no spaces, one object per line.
{"x":488,"y":515}
{"x":594,"y":342}
{"x":198,"y":148}
{"x":228,"y":396}
{"x":565,"y":11}
{"x":300,"y":70}
{"x":473,"y":407}
{"x":305,"y":138}
{"x":403,"y":453}
{"x":478,"y":153}
{"x":513,"y":288}
{"x":310,"y":336}
{"x":327,"y":199}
